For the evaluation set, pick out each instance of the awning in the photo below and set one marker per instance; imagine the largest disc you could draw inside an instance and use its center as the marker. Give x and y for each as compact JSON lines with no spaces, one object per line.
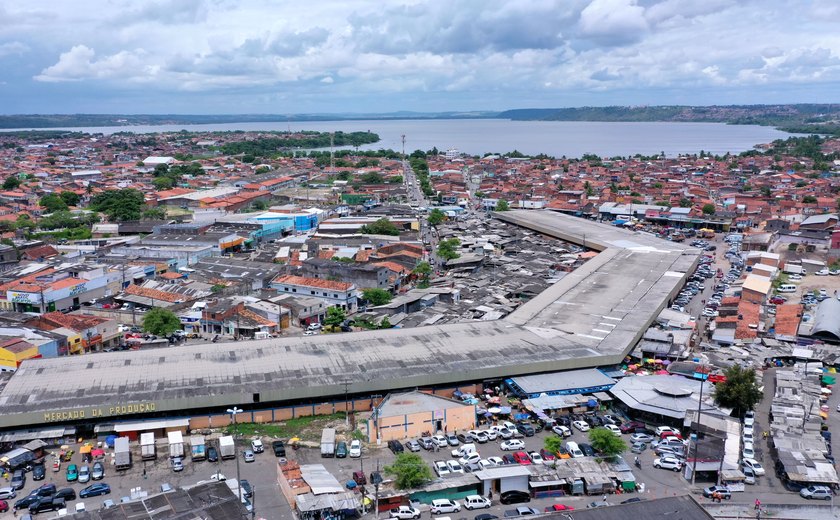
{"x":232,"y":243}
{"x":137,"y":426}
{"x":602,"y":396}
{"x":46,"y":433}
{"x":548,"y":483}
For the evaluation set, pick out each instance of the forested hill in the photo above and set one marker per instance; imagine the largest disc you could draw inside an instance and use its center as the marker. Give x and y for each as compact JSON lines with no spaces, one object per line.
{"x":804,"y":118}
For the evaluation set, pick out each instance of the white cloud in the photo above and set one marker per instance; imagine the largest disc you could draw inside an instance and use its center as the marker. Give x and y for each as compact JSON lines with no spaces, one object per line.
{"x":613,"y":22}
{"x":80,"y":63}
{"x":9,"y":48}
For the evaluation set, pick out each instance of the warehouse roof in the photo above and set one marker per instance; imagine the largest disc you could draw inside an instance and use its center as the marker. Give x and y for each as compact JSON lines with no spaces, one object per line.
{"x":592,"y":317}
{"x":568,"y":382}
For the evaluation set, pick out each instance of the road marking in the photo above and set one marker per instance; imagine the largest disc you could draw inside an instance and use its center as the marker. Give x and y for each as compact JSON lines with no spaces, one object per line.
{"x":611,"y":318}
{"x":590,"y":337}
{"x":601,"y":330}
{"x":607,"y":325}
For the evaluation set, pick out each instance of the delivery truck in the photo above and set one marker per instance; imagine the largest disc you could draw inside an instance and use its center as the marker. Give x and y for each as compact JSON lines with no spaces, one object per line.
{"x":122,"y":454}
{"x":328,"y":442}
{"x":176,"y":444}
{"x":197,"y":448}
{"x":227,"y":449}
{"x":147,"y":446}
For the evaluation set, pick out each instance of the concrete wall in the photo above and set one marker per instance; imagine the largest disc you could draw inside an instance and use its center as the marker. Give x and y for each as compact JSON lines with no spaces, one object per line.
{"x":414,"y":425}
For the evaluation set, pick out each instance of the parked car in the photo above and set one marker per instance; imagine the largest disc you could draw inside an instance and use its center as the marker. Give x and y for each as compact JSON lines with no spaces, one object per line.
{"x":46,"y":504}
{"x":39,"y":472}
{"x":412,"y":446}
{"x":454,"y":466}
{"x":581,"y":425}
{"x":816,"y":493}
{"x":257,"y":446}
{"x":7,"y":492}
{"x":84,"y":474}
{"x":440,"y":468}
{"x":586,"y":449}
{"x":94,"y":490}
{"x":26,"y":501}
{"x":44,"y":490}
{"x":642,"y":437}
{"x":212,"y":454}
{"x":341,"y":449}
{"x":444,"y":505}
{"x":279,"y":448}
{"x":72,"y":473}
{"x":4,"y":506}
{"x":396,"y":447}
{"x":356,"y":448}
{"x":476,"y":502}
{"x":18,"y":479}
{"x":671,"y":463}
{"x":561,"y":430}
{"x":512,"y":445}
{"x":723,"y":491}
{"x":247,"y":489}
{"x":404,"y":512}
{"x":754,"y":465}
{"x":452,"y":439}
{"x":558,"y":507}
{"x":638,"y":447}
{"x":514,"y":497}
{"x":177,"y":464}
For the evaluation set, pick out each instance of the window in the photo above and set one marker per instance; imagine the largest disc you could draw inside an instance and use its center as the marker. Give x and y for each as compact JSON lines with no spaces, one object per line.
{"x":334,"y":295}
{"x":312,"y":292}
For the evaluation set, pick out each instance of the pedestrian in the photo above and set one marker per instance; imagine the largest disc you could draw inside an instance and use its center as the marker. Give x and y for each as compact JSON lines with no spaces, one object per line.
{"x":490,"y":494}
{"x":605,"y":498}
{"x":757,"y":504}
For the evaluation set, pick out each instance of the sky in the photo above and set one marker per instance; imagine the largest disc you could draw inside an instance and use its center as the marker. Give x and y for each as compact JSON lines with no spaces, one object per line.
{"x":356,"y":56}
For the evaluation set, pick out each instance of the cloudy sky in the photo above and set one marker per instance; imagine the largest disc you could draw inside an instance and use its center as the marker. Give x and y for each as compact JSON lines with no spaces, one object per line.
{"x":272,"y":56}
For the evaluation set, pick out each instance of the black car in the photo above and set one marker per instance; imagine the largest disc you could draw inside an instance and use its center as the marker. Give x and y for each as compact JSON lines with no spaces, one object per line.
{"x":279,"y":448}
{"x":95,"y":490}
{"x":515,"y":497}
{"x":38,"y":472}
{"x":25,"y":502}
{"x":341,"y":450}
{"x":587,"y":449}
{"x":66,"y":494}
{"x":486,"y":516}
{"x":212,"y":454}
{"x":247,"y":490}
{"x":396,"y":447}
{"x":47,"y":504}
{"x":632,"y":500}
{"x":46,"y":490}
{"x":564,"y":420}
{"x":526,"y":429}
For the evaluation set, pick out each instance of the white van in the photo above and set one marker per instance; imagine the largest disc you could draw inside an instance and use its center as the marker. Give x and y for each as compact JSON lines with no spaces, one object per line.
{"x":573,"y":449}
{"x":786,"y":287}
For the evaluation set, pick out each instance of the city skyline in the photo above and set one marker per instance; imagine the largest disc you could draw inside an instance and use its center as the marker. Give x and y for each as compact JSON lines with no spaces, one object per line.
{"x":217,"y":56}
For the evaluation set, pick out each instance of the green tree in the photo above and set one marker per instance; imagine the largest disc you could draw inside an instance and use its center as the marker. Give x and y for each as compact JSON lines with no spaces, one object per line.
{"x":709,"y":209}
{"x":685,"y":203}
{"x":70,"y":198}
{"x":161,"y":322}
{"x":766,"y":191}
{"x":436,"y":216}
{"x":809,"y":199}
{"x":385,"y":323}
{"x":163,"y":183}
{"x":553,"y":443}
{"x":382,"y":226}
{"x":409,"y":471}
{"x":11,"y":183}
{"x":335,"y":317}
{"x":376,"y":296}
{"x":447,"y":249}
{"x":259,"y":205}
{"x":423,"y":271}
{"x":161,"y":170}
{"x":52,"y":202}
{"x":119,"y":205}
{"x":588,"y":188}
{"x":740,"y":391}
{"x":371,"y":178}
{"x":156,"y":213}
{"x":606,"y":442}
{"x":502,"y":205}
{"x":344,"y":176}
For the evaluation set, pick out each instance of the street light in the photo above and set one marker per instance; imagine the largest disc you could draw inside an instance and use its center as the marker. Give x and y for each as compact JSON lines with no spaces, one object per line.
{"x":233,"y":411}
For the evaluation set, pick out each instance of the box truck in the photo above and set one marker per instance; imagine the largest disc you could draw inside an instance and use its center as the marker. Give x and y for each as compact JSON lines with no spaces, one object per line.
{"x":147,"y":446}
{"x":227,"y":449}
{"x":122,"y":453}
{"x":176,"y":444}
{"x":197,"y":449}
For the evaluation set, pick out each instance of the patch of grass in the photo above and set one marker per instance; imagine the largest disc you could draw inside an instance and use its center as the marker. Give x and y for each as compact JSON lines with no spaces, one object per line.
{"x":306,"y":428}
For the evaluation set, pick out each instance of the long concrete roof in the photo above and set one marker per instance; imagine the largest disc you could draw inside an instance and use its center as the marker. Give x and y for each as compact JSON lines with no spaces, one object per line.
{"x":592,"y":317}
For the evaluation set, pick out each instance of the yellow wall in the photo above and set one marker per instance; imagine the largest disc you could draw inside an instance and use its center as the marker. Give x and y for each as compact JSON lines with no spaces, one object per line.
{"x":10,"y":359}
{"x":413,"y":426}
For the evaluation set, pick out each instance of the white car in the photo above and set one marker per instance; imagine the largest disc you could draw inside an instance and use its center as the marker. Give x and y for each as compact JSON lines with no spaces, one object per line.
{"x":822,"y":272}
{"x":536,"y":458}
{"x":405,"y":513}
{"x":754,"y":465}
{"x":440,"y":440}
{"x":443,"y":505}
{"x":485,"y":463}
{"x":454,"y":467}
{"x":476,"y":502}
{"x":479,"y":436}
{"x":662,"y":429}
{"x":613,"y":428}
{"x":671,"y":463}
{"x":470,"y":458}
{"x":441,"y":468}
{"x":748,"y":452}
{"x":581,"y":425}
{"x":491,"y":434}
{"x":512,"y":445}
{"x":502,"y":432}
{"x":495,"y":461}
{"x":642,"y":437}
{"x":356,"y":448}
{"x":7,"y":493}
{"x":561,"y":430}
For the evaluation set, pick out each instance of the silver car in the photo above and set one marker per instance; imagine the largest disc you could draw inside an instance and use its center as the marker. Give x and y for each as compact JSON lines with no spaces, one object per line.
{"x":248,"y":455}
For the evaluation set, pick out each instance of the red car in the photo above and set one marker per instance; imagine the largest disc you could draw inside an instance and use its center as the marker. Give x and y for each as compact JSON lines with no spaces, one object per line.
{"x":4,"y":506}
{"x":777,"y":300}
{"x":558,"y":507}
{"x":547,"y":455}
{"x":521,"y":458}
{"x":630,"y":427}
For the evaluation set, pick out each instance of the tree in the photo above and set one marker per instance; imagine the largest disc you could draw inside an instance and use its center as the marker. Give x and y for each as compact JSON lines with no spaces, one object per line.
{"x":606,"y":442}
{"x":436,"y":216}
{"x":708,"y":209}
{"x":382,"y":226}
{"x":766,"y":191}
{"x":163,"y":183}
{"x":119,"y":205}
{"x":809,"y":199}
{"x":685,"y":203}
{"x":553,"y":444}
{"x":52,"y":203}
{"x":154,"y":213}
{"x":409,"y":471}
{"x":502,"y":205}
{"x":376,"y":296}
{"x":423,"y":271}
{"x":11,"y":183}
{"x":259,"y":205}
{"x":70,"y":198}
{"x":740,"y":391}
{"x":446,"y":249}
{"x":385,"y":323}
{"x":335,"y":317}
{"x":161,"y":322}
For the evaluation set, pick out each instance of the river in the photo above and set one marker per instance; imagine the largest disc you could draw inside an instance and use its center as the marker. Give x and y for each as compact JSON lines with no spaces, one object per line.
{"x":481,"y":136}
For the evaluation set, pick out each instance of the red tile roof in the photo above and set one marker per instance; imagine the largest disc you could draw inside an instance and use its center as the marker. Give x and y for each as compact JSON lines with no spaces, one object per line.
{"x":318,"y":283}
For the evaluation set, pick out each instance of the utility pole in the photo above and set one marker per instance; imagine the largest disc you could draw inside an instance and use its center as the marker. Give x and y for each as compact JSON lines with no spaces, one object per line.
{"x":376,"y":478}
{"x":346,"y":384}
{"x":233,"y":411}
{"x":703,"y":372}
{"x":253,"y":502}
